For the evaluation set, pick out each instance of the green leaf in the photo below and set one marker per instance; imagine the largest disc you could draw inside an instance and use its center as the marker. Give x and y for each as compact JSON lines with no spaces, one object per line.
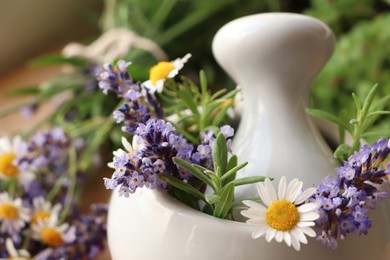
{"x":182,"y":186}
{"x":196,"y":172}
{"x":222,"y":113}
{"x":203,"y":85}
{"x":57,"y":59}
{"x":377,"y":113}
{"x":248,"y":180}
{"x":342,"y":152}
{"x":218,"y":94}
{"x":233,"y":171}
{"x":222,"y":208}
{"x":212,"y":198}
{"x":187,"y":135}
{"x":219,"y":153}
{"x":233,"y":161}
{"x":369,"y":99}
{"x":188,"y":98}
{"x":357,"y":102}
{"x":384,"y":133}
{"x":33,"y":90}
{"x":330,"y":117}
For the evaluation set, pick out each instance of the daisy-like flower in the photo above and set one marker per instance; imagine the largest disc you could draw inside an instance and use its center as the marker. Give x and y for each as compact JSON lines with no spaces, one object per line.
{"x":14,"y":254}
{"x":136,"y":145}
{"x":13,"y":216}
{"x":43,"y":210}
{"x":9,"y":150}
{"x":162,"y":71}
{"x":285,"y":215}
{"x":50,"y":233}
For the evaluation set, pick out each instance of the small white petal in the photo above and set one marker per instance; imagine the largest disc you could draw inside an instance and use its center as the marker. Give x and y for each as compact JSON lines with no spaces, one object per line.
{"x":269,"y":187}
{"x":307,"y":207}
{"x":282,"y":188}
{"x":305,"y":195}
{"x":310,"y":216}
{"x":294,"y":190}
{"x":295,"y":243}
{"x":297,"y":232}
{"x":263,"y":194}
{"x":259,"y":232}
{"x":309,"y":231}
{"x":303,"y":224}
{"x":126,"y":144}
{"x":254,"y":205}
{"x":270,"y":234}
{"x":287,"y":238}
{"x":279,"y":236}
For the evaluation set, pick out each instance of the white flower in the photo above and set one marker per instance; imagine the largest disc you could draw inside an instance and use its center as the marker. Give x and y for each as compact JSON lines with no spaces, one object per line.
{"x":13,"y":216}
{"x":43,"y":210}
{"x":162,"y":71}
{"x":137,"y":145}
{"x":14,"y":254}
{"x":285,"y":216}
{"x":9,"y":150}
{"x":49,"y":233}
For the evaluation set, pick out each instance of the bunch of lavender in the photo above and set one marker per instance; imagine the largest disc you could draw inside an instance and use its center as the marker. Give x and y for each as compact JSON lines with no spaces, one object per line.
{"x":38,"y":197}
{"x":163,"y":155}
{"x":346,"y":200}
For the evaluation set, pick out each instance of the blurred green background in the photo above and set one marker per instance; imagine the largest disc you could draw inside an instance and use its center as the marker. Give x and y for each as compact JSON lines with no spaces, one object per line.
{"x":362,"y":30}
{"x":361,"y":27}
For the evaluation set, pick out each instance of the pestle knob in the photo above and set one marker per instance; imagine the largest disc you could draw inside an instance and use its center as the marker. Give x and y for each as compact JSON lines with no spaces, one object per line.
{"x":274,"y":58}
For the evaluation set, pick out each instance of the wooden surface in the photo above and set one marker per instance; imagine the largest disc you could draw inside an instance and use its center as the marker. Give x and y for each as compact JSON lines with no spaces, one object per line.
{"x":94,"y":190}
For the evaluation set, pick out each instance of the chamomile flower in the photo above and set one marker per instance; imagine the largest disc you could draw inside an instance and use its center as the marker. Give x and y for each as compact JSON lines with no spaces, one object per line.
{"x":137,"y":144}
{"x":8,"y":153}
{"x":285,"y":215}
{"x":43,"y":210}
{"x":13,"y":215}
{"x":162,"y":71}
{"x":14,"y":254}
{"x":50,"y":233}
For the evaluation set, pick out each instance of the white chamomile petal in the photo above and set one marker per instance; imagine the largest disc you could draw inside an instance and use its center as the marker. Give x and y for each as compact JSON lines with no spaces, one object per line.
{"x":270,"y":190}
{"x":279,"y":236}
{"x":294,"y":192}
{"x":287,"y":238}
{"x":309,"y":216}
{"x":303,"y":224}
{"x":259,"y":232}
{"x":305,"y":195}
{"x":309,"y":231}
{"x":126,"y":144}
{"x":282,"y":188}
{"x":295,"y":243}
{"x":270,"y":234}
{"x":263,"y":194}
{"x":307,"y":207}
{"x":254,"y":205}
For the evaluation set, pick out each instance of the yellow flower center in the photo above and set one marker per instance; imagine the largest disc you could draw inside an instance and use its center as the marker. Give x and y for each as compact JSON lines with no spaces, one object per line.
{"x":40,"y":215}
{"x":160,"y":71}
{"x":282,"y":215}
{"x":6,"y":165}
{"x":51,"y":237}
{"x":8,"y":211}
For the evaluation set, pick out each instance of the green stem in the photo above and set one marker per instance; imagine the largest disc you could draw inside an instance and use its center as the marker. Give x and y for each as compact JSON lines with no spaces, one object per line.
{"x":72,"y":185}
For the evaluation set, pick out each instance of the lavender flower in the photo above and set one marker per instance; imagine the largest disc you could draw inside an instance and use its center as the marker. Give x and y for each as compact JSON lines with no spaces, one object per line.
{"x":155,"y":144}
{"x":116,"y":79}
{"x":345,"y":200}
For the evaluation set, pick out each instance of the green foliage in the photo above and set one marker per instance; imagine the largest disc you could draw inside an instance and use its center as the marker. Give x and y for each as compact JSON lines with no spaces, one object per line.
{"x":359,"y":126}
{"x":194,"y":108}
{"x":222,"y":180}
{"x":360,"y":60}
